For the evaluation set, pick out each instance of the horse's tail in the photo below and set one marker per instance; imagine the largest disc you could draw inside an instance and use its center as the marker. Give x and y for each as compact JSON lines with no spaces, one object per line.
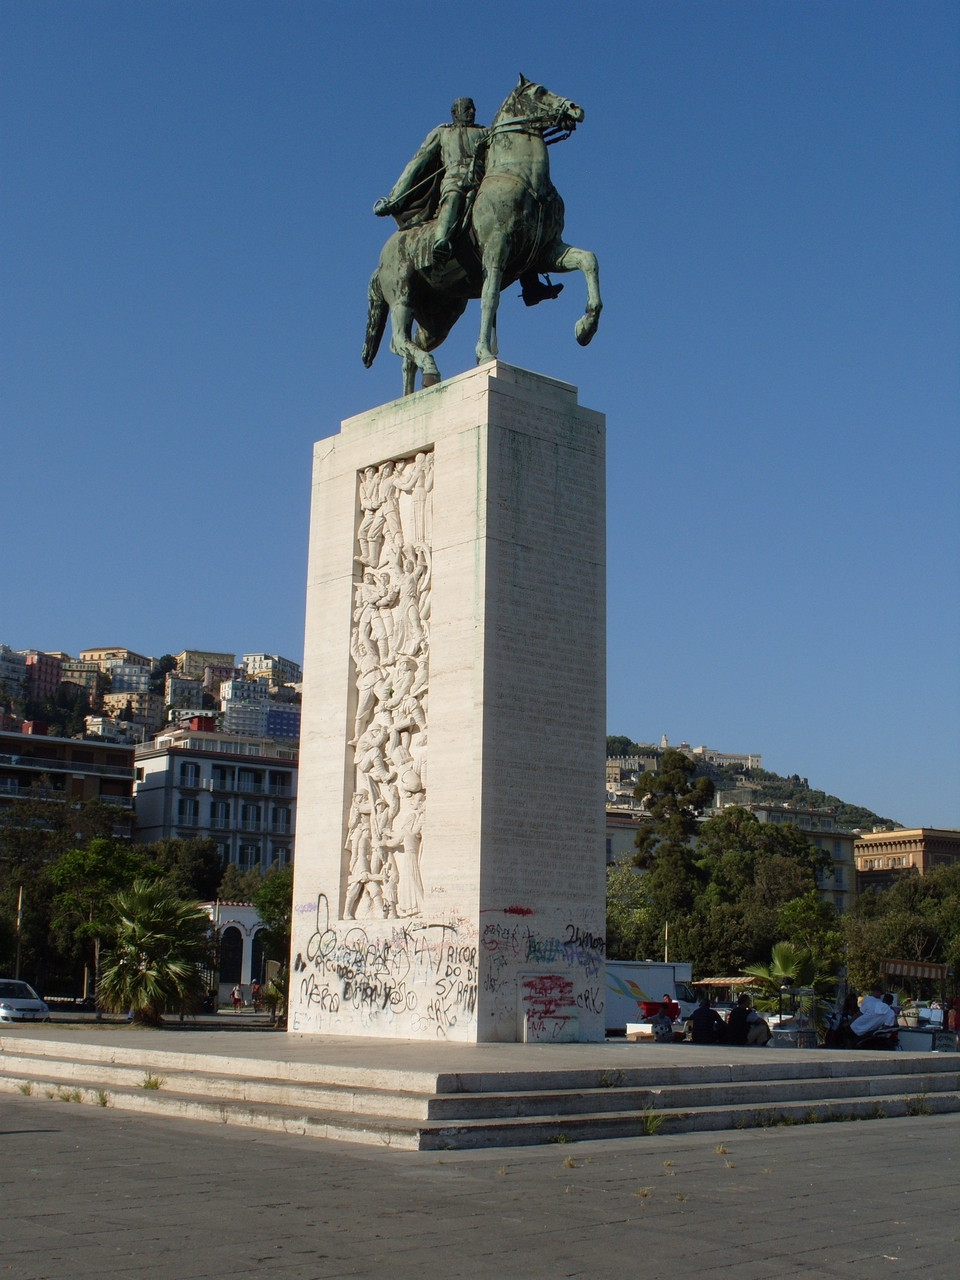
{"x":377,"y":312}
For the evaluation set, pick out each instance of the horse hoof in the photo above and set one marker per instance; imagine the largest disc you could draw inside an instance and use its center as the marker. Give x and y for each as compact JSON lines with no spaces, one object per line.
{"x":429,"y":380}
{"x":484,"y":357}
{"x":585,"y":328}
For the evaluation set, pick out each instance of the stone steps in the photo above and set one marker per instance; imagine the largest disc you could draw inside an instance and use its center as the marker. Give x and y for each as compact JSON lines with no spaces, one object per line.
{"x":500,"y":1131}
{"x":429,"y":1110}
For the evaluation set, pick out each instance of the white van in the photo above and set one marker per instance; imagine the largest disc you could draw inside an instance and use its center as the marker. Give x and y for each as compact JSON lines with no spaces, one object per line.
{"x":630,"y":982}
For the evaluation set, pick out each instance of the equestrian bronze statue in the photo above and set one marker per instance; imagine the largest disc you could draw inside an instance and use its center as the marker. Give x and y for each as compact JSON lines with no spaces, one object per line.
{"x":476,"y":211}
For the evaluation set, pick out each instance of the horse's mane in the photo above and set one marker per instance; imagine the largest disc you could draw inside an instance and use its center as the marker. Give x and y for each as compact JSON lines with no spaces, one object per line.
{"x":510,"y":107}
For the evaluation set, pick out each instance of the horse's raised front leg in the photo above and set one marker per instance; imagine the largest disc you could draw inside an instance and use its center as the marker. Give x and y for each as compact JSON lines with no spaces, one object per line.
{"x":402,"y":344}
{"x":566,"y":258}
{"x":494,"y":257}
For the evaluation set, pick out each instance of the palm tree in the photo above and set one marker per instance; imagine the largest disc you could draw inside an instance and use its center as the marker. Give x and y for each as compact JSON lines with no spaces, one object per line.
{"x":155,"y":961}
{"x":791,"y":966}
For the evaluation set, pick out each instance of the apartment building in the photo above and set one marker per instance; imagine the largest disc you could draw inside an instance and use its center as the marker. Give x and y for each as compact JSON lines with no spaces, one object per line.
{"x":66,"y":769}
{"x":191,"y":662}
{"x":42,"y":672}
{"x":883,"y":856}
{"x":275,"y":669}
{"x":240,"y":792}
{"x":141,"y":708}
{"x":109,"y":658}
{"x":13,"y":673}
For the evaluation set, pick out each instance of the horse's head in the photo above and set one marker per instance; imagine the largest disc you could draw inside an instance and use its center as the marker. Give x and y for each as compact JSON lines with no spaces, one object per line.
{"x":537,"y":106}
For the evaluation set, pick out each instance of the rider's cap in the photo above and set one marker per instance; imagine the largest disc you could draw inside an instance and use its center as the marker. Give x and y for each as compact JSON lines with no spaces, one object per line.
{"x":461,"y":107}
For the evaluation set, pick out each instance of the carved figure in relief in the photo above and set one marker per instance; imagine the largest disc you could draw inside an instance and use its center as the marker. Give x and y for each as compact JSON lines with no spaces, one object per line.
{"x":371,"y":525}
{"x":390,"y":649}
{"x":406,"y":843}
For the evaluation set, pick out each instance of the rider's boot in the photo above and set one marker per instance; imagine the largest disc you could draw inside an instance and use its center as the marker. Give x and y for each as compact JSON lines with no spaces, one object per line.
{"x":534,"y":290}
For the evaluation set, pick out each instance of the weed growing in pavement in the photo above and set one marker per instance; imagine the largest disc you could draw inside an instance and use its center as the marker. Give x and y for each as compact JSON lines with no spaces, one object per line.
{"x":680,"y":1198}
{"x":103,"y":1099}
{"x":727,"y":1164}
{"x":720,"y":1149}
{"x":610,"y":1079}
{"x":51,"y":1093}
{"x":570,"y":1163}
{"x":26,"y":1088}
{"x":501,"y":1170}
{"x":650,"y":1120}
{"x":918,"y":1106}
{"x":150,"y":1081}
{"x":559,"y":1138}
{"x":643,"y":1192}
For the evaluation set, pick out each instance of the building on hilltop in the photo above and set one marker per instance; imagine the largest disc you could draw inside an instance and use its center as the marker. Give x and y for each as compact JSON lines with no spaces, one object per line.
{"x":182,"y":691}
{"x":191,"y":662}
{"x":240,"y":792}
{"x":248,"y":708}
{"x":43,"y":673}
{"x":721,"y":758}
{"x":126,"y":677}
{"x":215,"y":674}
{"x":145,"y":709}
{"x":277,"y":670}
{"x":84,"y":674}
{"x":109,"y":658}
{"x":13,"y":673}
{"x":883,"y":856}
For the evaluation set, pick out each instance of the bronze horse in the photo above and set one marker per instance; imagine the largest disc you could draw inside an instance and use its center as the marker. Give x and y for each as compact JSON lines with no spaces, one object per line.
{"x":514,"y":228}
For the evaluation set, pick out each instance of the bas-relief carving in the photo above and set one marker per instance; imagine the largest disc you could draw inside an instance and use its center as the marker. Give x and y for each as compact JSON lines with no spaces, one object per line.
{"x":390,"y":649}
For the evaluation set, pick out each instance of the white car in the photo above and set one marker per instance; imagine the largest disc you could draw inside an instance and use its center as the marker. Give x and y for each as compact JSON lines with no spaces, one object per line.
{"x":20,"y":1003}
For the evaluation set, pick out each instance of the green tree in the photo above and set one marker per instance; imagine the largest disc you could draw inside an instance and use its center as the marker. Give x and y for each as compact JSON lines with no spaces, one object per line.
{"x":34,"y":832}
{"x":273,"y":899}
{"x":917,"y":918}
{"x":155,"y":961}
{"x":621,"y":746}
{"x":192,"y":868}
{"x":85,"y":882}
{"x":627,"y":913}
{"x":814,"y":926}
{"x":158,"y":679}
{"x":237,"y":885}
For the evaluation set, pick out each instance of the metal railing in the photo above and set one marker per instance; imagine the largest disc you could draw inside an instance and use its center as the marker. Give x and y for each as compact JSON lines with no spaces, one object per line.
{"x":245,"y":787}
{"x":44,"y":764}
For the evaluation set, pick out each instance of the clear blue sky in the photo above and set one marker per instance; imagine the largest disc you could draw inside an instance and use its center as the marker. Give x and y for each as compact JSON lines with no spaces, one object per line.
{"x":772,"y":191}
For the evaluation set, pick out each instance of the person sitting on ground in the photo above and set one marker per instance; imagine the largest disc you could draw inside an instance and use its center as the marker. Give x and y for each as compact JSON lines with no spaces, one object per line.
{"x":875,"y":1015}
{"x":744,"y":1025}
{"x":706,"y":1025}
{"x":662,"y":1025}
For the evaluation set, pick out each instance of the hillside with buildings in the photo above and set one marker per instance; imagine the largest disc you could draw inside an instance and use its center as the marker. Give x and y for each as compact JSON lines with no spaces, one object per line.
{"x":739,"y":778}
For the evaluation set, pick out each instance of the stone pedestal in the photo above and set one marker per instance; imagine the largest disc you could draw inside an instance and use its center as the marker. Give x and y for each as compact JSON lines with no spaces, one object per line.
{"x":449,"y":875}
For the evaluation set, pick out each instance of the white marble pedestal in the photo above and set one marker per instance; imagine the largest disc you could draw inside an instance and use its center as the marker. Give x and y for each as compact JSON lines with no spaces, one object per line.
{"x":449,"y":874}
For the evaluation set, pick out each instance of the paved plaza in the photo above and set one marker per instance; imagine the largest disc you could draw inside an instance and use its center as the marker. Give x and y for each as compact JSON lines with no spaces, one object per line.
{"x":99,"y":1193}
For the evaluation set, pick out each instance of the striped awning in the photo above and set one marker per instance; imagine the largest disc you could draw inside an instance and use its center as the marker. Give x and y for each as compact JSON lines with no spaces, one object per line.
{"x":909,"y":969}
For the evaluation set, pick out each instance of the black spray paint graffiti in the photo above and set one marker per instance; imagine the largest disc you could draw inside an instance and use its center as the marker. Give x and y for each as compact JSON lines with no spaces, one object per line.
{"x":418,"y":969}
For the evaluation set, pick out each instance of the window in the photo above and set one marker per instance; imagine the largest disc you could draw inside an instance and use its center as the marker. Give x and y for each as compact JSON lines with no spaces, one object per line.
{"x":838,"y":877}
{"x":188,"y":813}
{"x":280,"y":855}
{"x":189,"y":774}
{"x":281,"y":820}
{"x":139,"y":775}
{"x":609,"y":848}
{"x":249,"y":856}
{"x":223,"y":852}
{"x":250,"y":817}
{"x":220,"y":814}
{"x":837,"y":849}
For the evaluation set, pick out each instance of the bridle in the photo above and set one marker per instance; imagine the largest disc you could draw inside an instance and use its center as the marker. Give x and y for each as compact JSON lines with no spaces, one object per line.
{"x":556,"y":126}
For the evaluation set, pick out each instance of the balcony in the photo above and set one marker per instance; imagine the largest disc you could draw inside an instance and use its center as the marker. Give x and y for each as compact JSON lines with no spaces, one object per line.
{"x":188,"y":820}
{"x":251,"y":824}
{"x":118,"y":802}
{"x":43,"y":764}
{"x":281,"y":828}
